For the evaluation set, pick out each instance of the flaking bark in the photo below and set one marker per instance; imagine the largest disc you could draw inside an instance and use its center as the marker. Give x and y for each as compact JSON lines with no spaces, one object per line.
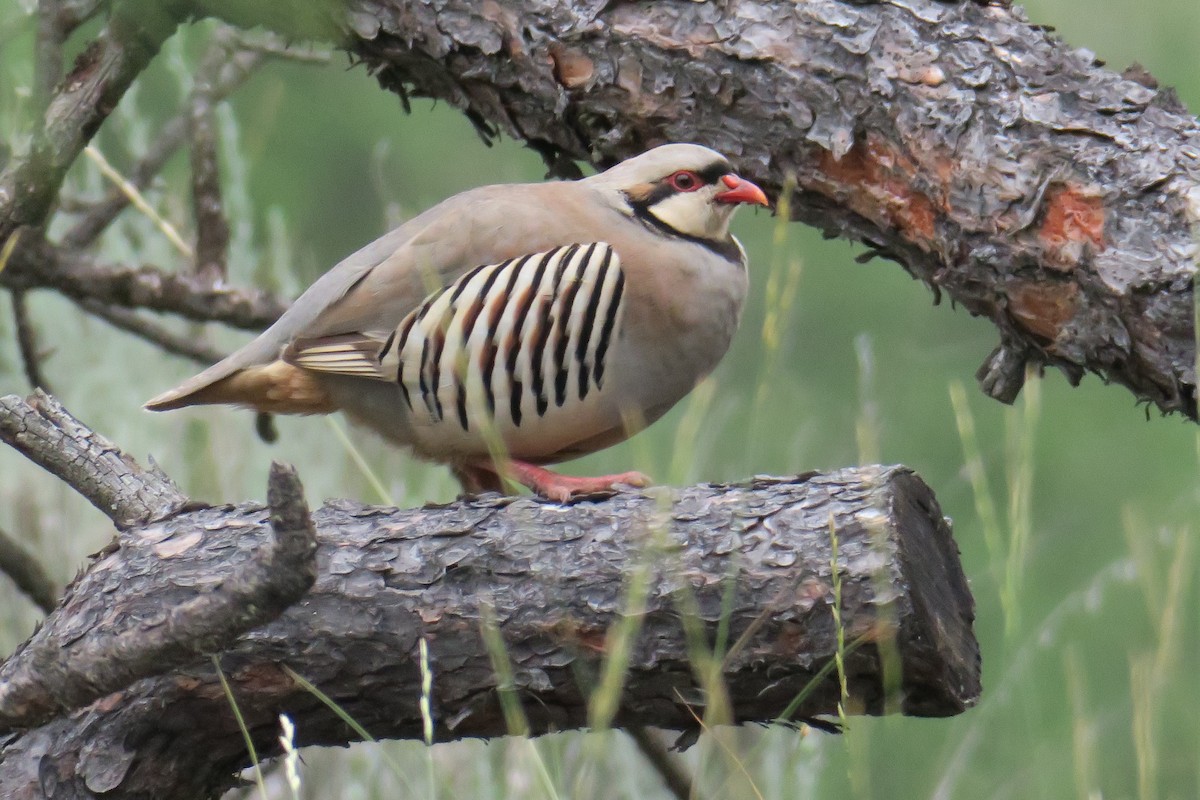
{"x":54,"y":673}
{"x":46,"y":433}
{"x":993,"y":161}
{"x":554,"y":579}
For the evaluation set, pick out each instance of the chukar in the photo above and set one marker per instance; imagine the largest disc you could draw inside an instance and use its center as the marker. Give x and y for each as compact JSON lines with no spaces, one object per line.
{"x":514,"y":326}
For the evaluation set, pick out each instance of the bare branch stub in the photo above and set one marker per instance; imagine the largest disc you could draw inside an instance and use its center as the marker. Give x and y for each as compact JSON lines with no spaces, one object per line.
{"x":554,"y":578}
{"x":992,"y":160}
{"x":45,"y":433}
{"x":48,"y":676}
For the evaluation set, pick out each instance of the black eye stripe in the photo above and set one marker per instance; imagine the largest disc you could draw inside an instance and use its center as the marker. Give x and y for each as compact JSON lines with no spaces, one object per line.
{"x":714,"y":172}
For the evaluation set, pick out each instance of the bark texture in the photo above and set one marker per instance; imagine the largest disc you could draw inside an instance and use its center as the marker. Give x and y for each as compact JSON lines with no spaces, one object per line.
{"x":993,"y":161}
{"x":554,"y":579}
{"x":46,"y":433}
{"x":39,"y":265}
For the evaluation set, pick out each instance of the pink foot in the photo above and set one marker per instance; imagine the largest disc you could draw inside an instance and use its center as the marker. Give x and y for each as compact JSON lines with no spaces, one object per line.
{"x":562,"y":488}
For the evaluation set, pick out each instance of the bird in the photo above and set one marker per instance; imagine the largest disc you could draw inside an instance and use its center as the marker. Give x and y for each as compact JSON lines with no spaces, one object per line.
{"x":515,"y":326}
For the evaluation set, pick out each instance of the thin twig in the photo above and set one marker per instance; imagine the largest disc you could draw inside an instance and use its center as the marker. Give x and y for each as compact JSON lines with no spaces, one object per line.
{"x":277,"y":46}
{"x":676,"y":779}
{"x":37,"y":264}
{"x":27,"y":573}
{"x":212,"y":229}
{"x":222,"y":71}
{"x":27,"y":343}
{"x":30,"y":183}
{"x":131,"y":322}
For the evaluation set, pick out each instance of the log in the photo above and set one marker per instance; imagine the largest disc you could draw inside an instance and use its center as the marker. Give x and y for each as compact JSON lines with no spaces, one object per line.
{"x":553,"y":580}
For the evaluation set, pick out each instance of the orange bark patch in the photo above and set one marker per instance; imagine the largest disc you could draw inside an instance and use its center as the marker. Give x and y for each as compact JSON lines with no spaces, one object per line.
{"x":571,"y":632}
{"x":1043,"y":307}
{"x":1073,"y":220}
{"x":875,"y":180}
{"x":571,"y":68}
{"x":109,"y":702}
{"x":263,"y":678}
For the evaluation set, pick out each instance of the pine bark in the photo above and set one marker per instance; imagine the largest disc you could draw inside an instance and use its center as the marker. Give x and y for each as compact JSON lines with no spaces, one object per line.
{"x":997,"y":164}
{"x":552,"y":580}
{"x":993,"y":161}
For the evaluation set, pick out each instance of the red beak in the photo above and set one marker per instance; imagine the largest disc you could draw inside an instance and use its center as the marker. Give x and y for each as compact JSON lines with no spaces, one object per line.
{"x":740,"y":190}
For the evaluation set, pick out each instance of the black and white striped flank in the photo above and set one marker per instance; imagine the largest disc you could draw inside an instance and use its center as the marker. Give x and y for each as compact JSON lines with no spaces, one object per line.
{"x":512,"y":340}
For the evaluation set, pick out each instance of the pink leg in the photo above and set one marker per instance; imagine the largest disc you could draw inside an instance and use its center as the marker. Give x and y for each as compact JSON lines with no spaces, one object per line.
{"x":562,"y":488}
{"x":477,"y":479}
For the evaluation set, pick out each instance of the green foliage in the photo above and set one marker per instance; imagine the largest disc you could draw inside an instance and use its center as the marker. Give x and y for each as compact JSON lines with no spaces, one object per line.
{"x":1084,"y":569}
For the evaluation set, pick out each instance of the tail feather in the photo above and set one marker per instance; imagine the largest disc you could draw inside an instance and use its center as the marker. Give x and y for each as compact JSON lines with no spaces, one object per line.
{"x":276,"y":388}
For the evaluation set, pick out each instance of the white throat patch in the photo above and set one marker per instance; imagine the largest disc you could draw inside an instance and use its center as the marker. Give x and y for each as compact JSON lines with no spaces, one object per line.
{"x":694,"y":214}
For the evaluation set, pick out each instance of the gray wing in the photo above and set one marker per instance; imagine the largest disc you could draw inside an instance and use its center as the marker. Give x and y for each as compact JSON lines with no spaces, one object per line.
{"x":375,"y":287}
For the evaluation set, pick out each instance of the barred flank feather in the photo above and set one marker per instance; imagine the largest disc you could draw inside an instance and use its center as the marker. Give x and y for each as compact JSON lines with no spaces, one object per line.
{"x":532,"y":330}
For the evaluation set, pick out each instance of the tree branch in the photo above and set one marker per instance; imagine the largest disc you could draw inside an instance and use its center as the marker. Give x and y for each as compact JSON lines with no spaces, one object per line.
{"x":993,"y":161}
{"x":37,"y":264}
{"x":553,"y":578}
{"x":225,"y":77}
{"x":42,"y":430}
{"x":27,"y":343}
{"x":52,"y":673}
{"x":19,"y":565}
{"x":29,"y":184}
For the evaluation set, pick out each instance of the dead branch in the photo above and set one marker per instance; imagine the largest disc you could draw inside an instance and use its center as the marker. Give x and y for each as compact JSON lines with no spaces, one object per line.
{"x":45,"y":433}
{"x":212,"y":230}
{"x":37,"y":264}
{"x":27,"y":343}
{"x":51,"y":674}
{"x":995,"y":162}
{"x":553,"y":578}
{"x":26,"y":573}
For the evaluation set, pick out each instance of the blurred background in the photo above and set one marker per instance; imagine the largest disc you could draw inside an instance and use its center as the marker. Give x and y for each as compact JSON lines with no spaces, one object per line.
{"x":1075,"y":511}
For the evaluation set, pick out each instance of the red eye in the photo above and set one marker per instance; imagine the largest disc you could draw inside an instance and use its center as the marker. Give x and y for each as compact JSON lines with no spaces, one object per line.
{"x":685,"y":181}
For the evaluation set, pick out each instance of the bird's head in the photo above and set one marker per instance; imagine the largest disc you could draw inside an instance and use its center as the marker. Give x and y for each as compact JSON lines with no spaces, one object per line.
{"x":682,"y":189}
